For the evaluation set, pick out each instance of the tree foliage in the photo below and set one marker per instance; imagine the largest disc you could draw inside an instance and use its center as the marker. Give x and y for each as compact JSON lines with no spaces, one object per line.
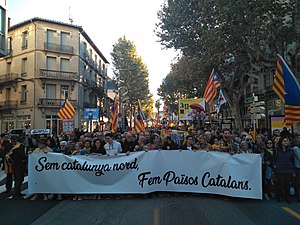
{"x":130,"y":73}
{"x":239,"y":38}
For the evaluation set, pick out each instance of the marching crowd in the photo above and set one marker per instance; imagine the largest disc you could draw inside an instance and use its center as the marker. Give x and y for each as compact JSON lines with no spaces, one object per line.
{"x":280,"y":153}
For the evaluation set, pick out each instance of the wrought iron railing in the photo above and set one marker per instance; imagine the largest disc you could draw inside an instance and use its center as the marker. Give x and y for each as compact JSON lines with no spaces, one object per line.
{"x":50,"y":102}
{"x":54,"y":74}
{"x":58,"y":48}
{"x":8,"y":77}
{"x":9,"y":104}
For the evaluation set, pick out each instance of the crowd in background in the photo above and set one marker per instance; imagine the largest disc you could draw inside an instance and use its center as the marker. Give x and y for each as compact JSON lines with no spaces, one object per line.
{"x":280,"y":152}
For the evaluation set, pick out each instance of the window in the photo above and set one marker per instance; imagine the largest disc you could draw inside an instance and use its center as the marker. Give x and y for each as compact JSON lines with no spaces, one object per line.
{"x":2,"y":20}
{"x":64,"y":39}
{"x":99,"y":64}
{"x":51,"y":36}
{"x":23,"y":94}
{"x":51,"y":63}
{"x":64,"y":91}
{"x":269,"y":78}
{"x":9,"y":45}
{"x":50,"y":91}
{"x":7,"y":96}
{"x":96,"y":61}
{"x":64,"y":65}
{"x":24,"y":67}
{"x":25,"y":40}
{"x":2,"y":28}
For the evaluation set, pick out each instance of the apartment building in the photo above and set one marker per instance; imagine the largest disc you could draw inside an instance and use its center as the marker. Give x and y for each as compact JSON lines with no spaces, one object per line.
{"x":47,"y":62}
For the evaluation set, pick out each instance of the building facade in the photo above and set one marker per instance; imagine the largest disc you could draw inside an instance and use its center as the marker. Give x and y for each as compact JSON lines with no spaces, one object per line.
{"x":47,"y":62}
{"x":3,"y":27}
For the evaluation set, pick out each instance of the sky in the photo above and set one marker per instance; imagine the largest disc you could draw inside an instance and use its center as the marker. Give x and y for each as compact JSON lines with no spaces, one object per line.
{"x":105,"y":21}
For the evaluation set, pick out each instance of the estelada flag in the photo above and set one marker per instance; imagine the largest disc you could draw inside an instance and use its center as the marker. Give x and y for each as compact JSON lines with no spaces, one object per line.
{"x":167,"y":112}
{"x":139,"y":123}
{"x":211,"y":87}
{"x":66,"y":111}
{"x":113,"y":116}
{"x":287,"y":88}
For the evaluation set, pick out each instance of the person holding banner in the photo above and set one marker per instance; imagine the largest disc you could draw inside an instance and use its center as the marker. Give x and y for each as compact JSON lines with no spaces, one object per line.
{"x":129,"y":143}
{"x":98,"y":147}
{"x":42,"y":148}
{"x":203,"y":144}
{"x":141,"y":146}
{"x":112,"y":147}
{"x":226,"y":143}
{"x":169,"y":144}
{"x":188,"y":145}
{"x":155,"y":142}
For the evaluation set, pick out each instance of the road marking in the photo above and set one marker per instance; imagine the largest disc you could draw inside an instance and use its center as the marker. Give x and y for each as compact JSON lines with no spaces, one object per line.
{"x":156,"y":217}
{"x":290,"y":211}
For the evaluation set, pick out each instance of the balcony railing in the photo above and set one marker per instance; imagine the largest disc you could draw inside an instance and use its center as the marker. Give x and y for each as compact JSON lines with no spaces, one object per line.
{"x":54,"y":74}
{"x":9,"y":104}
{"x":58,"y":48}
{"x":8,"y":77}
{"x":97,"y":87}
{"x":50,"y":102}
{"x":89,"y":105}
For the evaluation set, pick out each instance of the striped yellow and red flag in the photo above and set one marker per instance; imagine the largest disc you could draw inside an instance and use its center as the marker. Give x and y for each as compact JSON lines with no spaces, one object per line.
{"x":139,"y":123}
{"x":113,"y":116}
{"x":278,"y":84}
{"x":66,"y":111}
{"x":211,"y":87}
{"x":287,"y":88}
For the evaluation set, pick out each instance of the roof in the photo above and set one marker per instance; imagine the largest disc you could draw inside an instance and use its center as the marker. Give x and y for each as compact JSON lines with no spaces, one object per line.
{"x":81,"y":30}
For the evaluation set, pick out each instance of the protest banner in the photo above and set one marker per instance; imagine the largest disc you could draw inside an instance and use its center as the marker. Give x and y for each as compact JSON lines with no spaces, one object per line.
{"x":236,"y":175}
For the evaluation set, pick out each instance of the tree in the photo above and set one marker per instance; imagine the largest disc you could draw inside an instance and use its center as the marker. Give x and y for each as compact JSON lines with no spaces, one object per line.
{"x":239,"y":38}
{"x":131,"y":74}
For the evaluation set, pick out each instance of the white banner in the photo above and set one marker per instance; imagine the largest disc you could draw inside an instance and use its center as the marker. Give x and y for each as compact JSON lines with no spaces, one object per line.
{"x":144,"y":172}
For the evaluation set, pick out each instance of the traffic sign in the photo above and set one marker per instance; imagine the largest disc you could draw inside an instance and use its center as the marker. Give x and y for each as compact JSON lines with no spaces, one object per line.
{"x":249,"y":100}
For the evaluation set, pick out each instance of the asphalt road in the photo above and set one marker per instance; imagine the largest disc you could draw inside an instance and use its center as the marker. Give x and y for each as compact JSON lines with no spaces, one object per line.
{"x":162,"y":210}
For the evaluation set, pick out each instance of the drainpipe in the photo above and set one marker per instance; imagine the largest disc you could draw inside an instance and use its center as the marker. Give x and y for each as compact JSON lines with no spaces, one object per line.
{"x":78,"y":88}
{"x":34,"y":78}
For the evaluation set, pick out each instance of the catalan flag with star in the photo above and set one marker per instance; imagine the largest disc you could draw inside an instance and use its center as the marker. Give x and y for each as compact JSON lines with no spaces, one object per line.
{"x":140,"y":117}
{"x":66,"y":111}
{"x":287,"y":88}
{"x":211,"y":87}
{"x":113,"y":116}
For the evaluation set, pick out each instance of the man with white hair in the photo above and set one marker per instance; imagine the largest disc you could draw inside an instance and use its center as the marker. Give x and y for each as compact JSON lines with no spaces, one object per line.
{"x":251,"y":144}
{"x":63,"y":146}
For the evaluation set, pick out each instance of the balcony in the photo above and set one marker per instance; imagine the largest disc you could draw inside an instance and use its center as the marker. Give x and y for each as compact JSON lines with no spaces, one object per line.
{"x":9,"y":104}
{"x":60,"y":75}
{"x":8,"y":78}
{"x":97,"y":87}
{"x":54,"y":103}
{"x":58,"y":48}
{"x":89,"y":105}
